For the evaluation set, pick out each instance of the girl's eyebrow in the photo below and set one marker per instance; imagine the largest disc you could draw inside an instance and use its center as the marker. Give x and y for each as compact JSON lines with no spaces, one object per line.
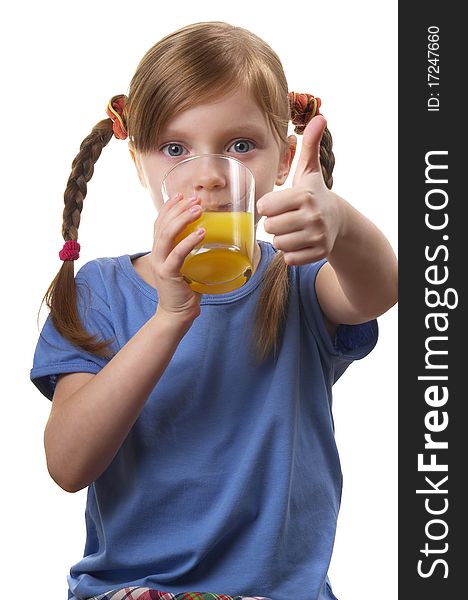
{"x":241,"y":129}
{"x":253,"y":129}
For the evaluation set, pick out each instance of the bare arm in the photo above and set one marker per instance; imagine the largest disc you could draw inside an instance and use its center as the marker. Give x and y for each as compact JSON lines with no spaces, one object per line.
{"x":360,"y":281}
{"x":92,"y":414}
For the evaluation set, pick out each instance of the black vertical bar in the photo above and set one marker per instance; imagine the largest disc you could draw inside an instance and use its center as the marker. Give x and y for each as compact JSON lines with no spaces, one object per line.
{"x":433,"y":333}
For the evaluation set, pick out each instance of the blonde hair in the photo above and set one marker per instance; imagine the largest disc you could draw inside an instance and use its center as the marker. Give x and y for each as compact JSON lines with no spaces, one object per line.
{"x":193,"y":65}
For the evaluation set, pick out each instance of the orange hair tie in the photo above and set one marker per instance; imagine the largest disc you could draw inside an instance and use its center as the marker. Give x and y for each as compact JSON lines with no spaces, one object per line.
{"x":116,"y":109}
{"x":303,"y":108}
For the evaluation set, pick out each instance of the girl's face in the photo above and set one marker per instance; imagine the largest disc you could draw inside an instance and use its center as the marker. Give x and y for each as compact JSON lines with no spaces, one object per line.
{"x":234,"y":126}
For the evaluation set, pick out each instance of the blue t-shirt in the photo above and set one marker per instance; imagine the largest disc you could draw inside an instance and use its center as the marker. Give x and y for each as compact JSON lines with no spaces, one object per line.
{"x":229,"y":481}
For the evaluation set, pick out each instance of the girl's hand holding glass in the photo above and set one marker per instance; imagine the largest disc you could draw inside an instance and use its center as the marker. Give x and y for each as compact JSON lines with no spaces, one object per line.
{"x":175,"y":297}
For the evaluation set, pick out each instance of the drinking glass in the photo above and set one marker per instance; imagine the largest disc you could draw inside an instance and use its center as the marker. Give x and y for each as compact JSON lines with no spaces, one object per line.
{"x":223,"y":261}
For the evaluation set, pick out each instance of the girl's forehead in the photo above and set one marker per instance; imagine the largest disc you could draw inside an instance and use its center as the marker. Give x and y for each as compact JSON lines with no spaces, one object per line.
{"x":232,"y":110}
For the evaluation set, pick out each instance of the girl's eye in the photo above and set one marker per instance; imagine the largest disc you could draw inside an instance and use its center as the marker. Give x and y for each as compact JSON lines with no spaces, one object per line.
{"x":242,"y":146}
{"x":173,"y":150}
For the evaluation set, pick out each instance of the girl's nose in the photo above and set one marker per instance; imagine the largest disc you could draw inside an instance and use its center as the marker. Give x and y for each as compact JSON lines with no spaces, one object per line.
{"x":209,"y":183}
{"x":210,"y":176}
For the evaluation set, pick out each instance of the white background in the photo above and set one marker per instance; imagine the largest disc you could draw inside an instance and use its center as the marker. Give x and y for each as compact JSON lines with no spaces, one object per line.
{"x":60,"y":64}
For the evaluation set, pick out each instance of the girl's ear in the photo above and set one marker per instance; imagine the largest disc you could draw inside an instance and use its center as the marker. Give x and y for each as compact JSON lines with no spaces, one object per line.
{"x":137,"y":163}
{"x":286,"y":160}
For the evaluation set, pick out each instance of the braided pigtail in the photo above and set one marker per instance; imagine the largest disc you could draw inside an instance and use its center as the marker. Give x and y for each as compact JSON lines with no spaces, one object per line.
{"x":273,"y":302}
{"x":61,"y":297}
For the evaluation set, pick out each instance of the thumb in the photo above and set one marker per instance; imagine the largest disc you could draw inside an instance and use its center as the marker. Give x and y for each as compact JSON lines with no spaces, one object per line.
{"x":309,"y":158}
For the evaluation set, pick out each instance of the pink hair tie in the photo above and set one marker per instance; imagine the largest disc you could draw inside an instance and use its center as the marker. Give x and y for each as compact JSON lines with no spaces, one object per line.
{"x":70,"y":250}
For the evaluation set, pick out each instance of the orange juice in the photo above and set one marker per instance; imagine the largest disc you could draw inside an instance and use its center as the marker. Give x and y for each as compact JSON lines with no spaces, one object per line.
{"x":223,"y":261}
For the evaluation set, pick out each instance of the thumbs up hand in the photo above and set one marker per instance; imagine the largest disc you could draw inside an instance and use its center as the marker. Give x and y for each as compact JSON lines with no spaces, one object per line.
{"x":305,"y":219}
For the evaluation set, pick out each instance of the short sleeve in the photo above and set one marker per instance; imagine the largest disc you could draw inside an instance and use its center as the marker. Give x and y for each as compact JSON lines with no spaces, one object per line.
{"x":55,"y":355}
{"x":351,"y":342}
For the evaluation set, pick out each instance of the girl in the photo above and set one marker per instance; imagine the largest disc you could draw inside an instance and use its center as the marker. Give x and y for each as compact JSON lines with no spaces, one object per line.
{"x":202,"y":424}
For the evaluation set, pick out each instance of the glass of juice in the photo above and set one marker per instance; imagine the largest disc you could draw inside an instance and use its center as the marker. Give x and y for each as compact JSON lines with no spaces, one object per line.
{"x":223,"y":261}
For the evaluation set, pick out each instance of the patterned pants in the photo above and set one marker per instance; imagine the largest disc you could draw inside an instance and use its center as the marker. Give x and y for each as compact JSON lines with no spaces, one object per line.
{"x":140,"y":593}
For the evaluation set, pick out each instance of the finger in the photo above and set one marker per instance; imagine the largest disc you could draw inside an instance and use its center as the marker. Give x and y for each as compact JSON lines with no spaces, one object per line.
{"x":171,"y":210}
{"x":167,"y":218}
{"x":309,"y":158}
{"x":299,"y":240}
{"x":288,"y":222}
{"x":176,"y":257}
{"x":304,"y":256}
{"x":171,"y":203}
{"x":276,"y":203}
{"x":167,"y":231}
